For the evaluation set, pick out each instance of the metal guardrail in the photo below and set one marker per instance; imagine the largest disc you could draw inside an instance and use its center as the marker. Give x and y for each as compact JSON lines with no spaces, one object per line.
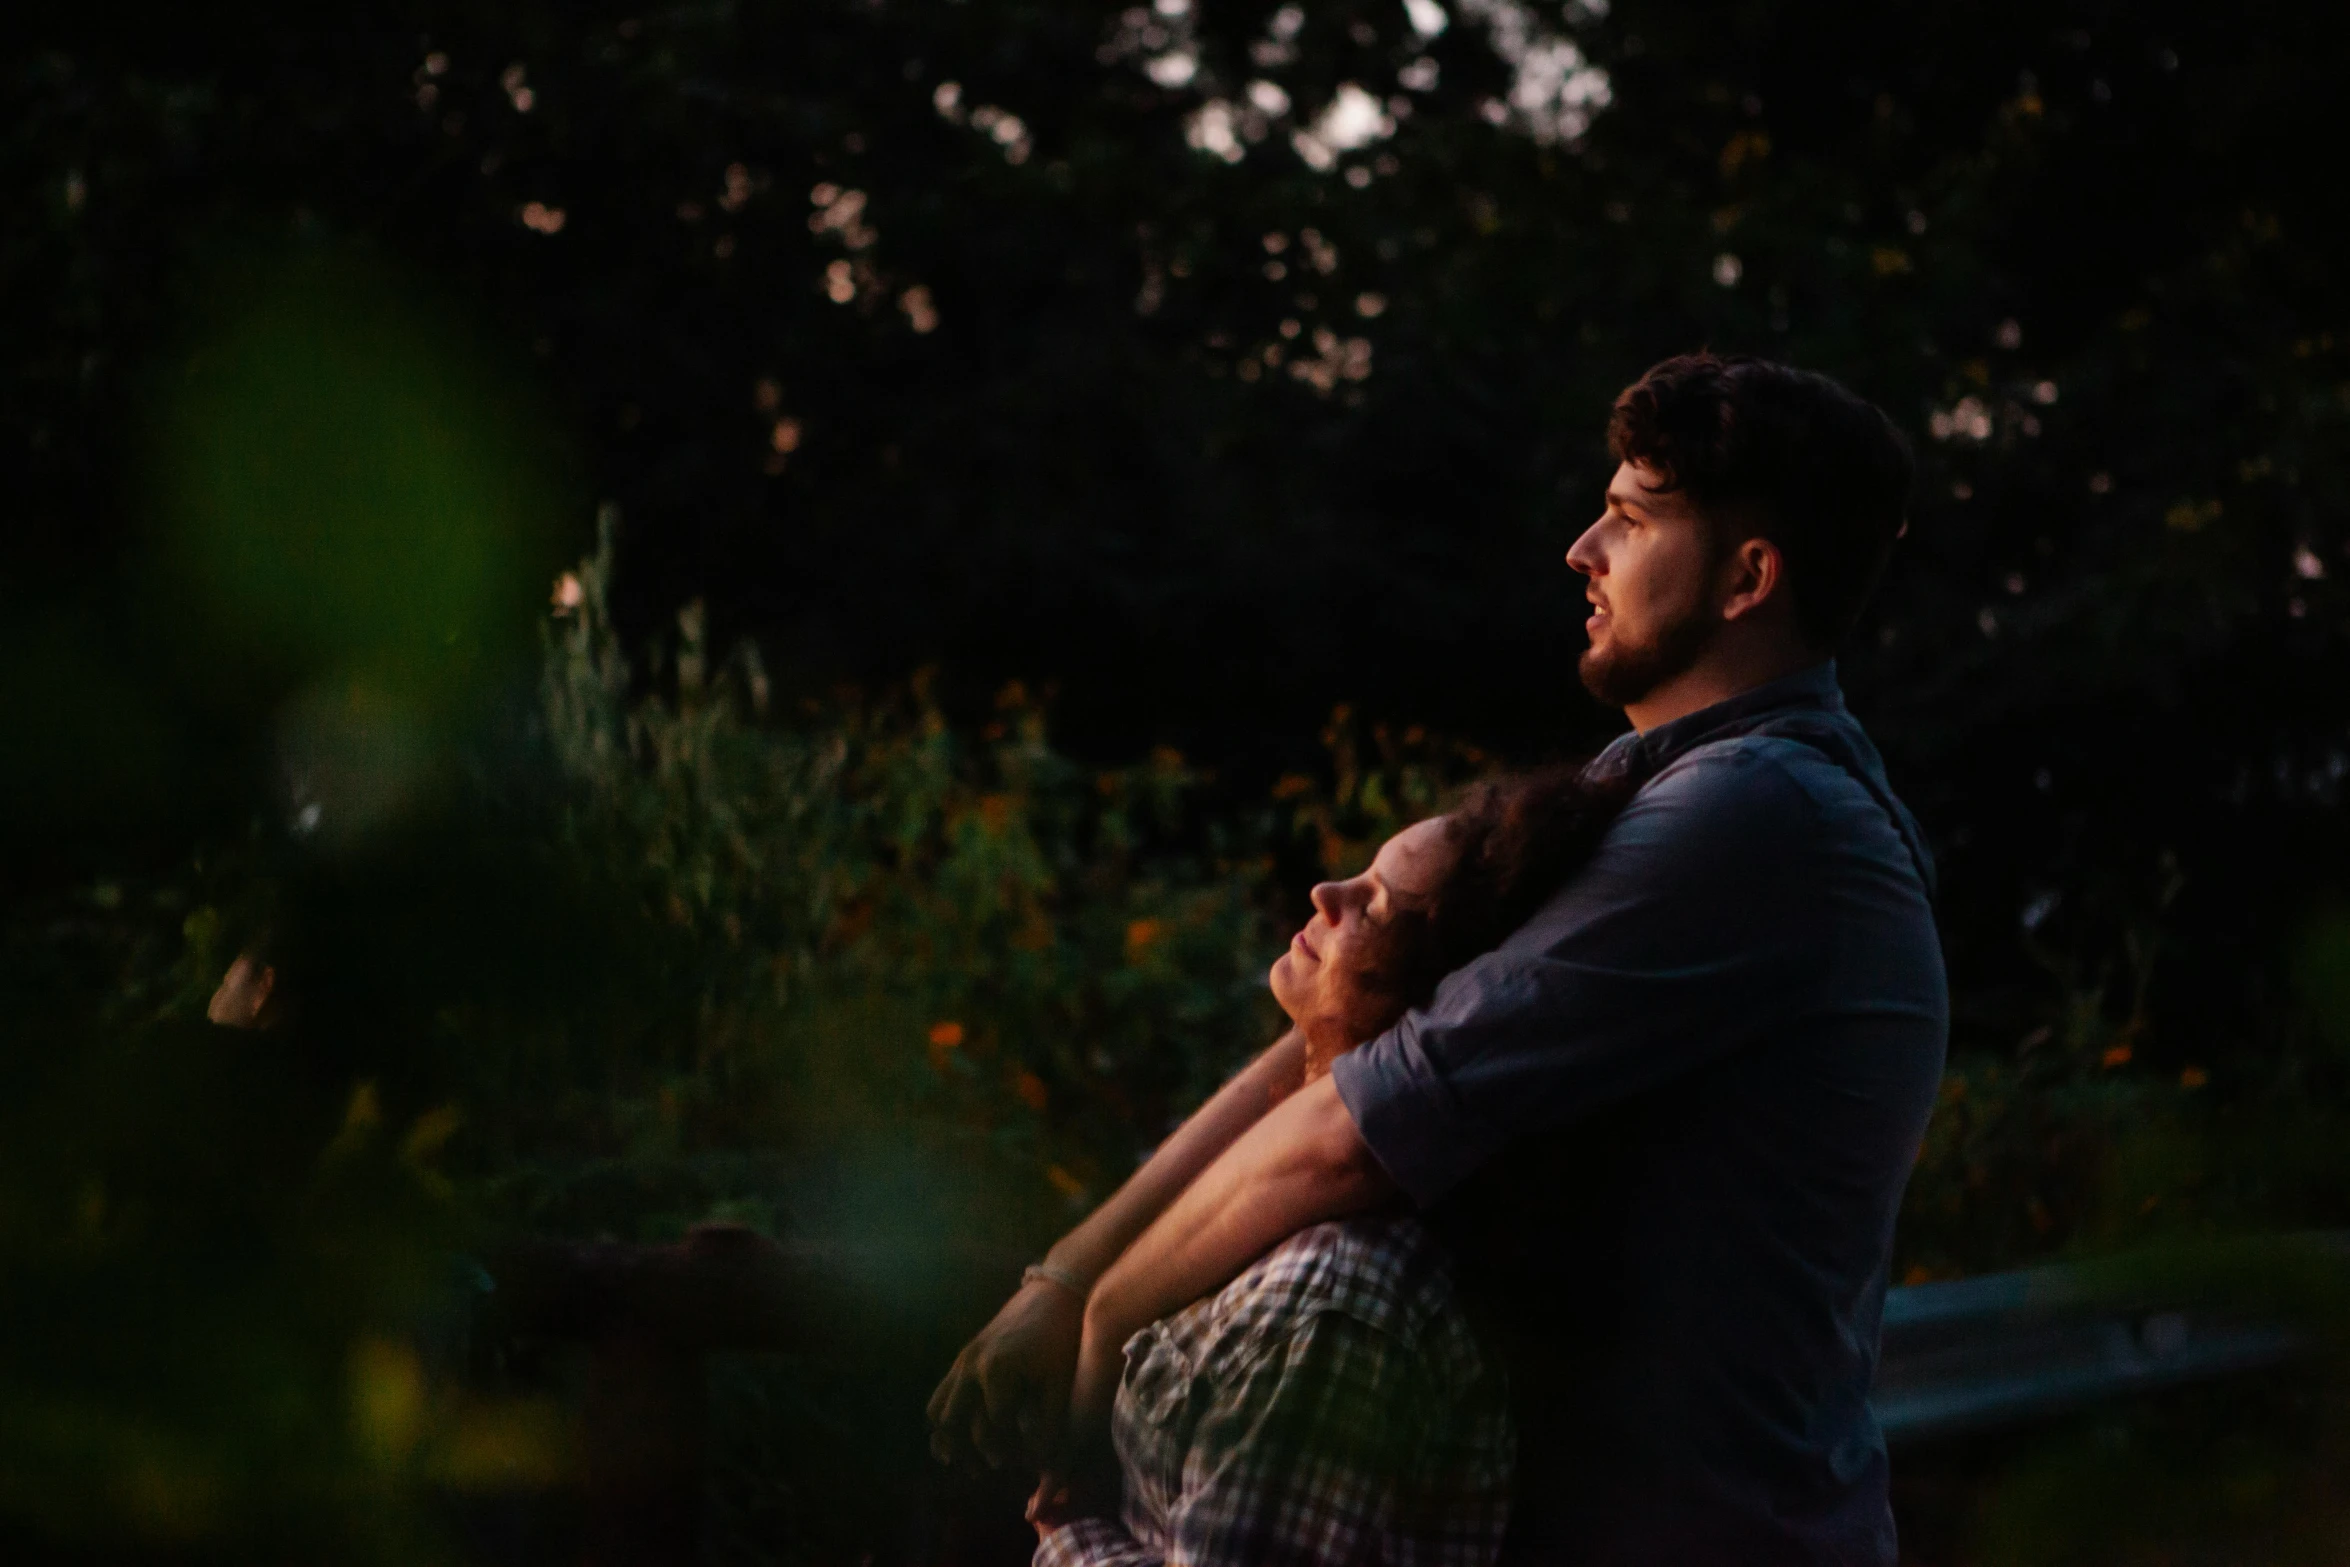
{"x":1984,"y":1353}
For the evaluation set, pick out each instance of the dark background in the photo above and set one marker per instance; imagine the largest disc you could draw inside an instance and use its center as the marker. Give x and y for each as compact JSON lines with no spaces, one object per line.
{"x":2090,"y":257}
{"x":1061,"y":485}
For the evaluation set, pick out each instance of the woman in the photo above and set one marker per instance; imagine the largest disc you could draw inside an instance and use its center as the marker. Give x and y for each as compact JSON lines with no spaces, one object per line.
{"x":1333,"y":1404}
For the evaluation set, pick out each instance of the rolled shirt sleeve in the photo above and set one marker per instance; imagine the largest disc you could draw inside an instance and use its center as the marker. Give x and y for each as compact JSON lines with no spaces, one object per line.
{"x":1692,"y":928}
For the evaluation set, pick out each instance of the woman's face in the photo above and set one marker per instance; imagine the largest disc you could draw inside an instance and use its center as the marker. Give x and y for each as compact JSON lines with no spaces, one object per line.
{"x":1326,"y":981}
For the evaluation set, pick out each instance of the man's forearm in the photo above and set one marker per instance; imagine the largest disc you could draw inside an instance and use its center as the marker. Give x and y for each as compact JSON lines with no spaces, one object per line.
{"x":1299,"y":1165}
{"x":1088,"y":1250}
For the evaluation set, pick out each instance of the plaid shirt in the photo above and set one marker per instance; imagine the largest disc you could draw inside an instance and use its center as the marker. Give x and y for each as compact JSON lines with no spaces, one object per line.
{"x":1331,"y":1406}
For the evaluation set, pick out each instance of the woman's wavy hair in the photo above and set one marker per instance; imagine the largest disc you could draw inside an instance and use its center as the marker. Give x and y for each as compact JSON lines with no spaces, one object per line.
{"x":1516,"y":839}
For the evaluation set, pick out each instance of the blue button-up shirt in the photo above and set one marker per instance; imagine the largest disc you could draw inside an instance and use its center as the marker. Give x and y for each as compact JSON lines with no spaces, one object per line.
{"x":1667,"y":1125}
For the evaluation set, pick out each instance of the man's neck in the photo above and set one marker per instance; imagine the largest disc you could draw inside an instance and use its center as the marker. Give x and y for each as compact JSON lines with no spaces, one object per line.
{"x":1721,"y":675}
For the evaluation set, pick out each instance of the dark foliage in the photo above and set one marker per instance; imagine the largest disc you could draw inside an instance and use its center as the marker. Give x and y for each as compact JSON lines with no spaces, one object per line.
{"x":990,"y":339}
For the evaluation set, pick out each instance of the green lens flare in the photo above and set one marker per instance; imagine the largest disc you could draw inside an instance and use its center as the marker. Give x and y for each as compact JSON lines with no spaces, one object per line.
{"x":346,"y":492}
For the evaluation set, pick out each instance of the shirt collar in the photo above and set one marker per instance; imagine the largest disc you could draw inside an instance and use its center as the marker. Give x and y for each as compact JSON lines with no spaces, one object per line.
{"x":1814,"y":688}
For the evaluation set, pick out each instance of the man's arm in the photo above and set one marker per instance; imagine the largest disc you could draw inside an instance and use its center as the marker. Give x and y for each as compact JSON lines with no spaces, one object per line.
{"x":1679,"y":939}
{"x":1009,"y":1387}
{"x":1299,"y":1165}
{"x":1697,"y":927}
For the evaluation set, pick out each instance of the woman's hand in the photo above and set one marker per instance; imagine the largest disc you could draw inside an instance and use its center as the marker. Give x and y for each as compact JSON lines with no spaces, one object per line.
{"x":1062,"y":1497}
{"x":1007,"y":1393}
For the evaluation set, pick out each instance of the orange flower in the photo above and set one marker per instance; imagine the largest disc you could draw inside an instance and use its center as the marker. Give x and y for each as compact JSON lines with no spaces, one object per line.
{"x":2193,"y":1077}
{"x":1141,"y":936}
{"x":2118,"y":1055}
{"x":1292,"y":785}
{"x":946,"y":1036}
{"x":1031,"y":1090}
{"x":1066,"y":1184}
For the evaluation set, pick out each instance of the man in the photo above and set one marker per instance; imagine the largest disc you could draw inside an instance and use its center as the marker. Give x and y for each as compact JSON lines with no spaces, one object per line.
{"x":1667,"y":1124}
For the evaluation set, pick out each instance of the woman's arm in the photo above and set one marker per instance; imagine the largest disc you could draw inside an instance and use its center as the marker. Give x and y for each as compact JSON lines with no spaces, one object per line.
{"x":1008,"y":1389}
{"x":1301,"y":1164}
{"x":1090,"y":1249}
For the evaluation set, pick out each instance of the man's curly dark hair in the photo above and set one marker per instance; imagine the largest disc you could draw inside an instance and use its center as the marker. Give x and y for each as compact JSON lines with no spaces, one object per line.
{"x":1769,"y":451}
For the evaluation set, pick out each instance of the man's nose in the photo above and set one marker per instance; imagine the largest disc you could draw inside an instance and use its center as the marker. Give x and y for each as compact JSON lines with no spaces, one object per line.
{"x":1584,"y":554}
{"x":1325,"y":899}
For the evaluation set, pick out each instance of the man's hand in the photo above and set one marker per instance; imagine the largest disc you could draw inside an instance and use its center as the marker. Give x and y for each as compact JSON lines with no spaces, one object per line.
{"x":1007,"y":1392}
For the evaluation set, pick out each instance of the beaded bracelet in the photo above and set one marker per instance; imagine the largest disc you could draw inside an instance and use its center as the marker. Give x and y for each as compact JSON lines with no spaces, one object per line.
{"x":1053,"y":1273}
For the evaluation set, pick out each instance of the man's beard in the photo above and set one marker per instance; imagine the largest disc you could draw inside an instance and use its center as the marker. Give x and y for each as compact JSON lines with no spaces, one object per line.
{"x":1628,"y":671}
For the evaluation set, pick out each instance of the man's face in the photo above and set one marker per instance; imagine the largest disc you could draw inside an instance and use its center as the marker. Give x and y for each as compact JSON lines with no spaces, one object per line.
{"x":1650,"y":561}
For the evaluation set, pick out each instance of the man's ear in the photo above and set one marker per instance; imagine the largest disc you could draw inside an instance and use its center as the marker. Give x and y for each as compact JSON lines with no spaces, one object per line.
{"x":1754,"y":574}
